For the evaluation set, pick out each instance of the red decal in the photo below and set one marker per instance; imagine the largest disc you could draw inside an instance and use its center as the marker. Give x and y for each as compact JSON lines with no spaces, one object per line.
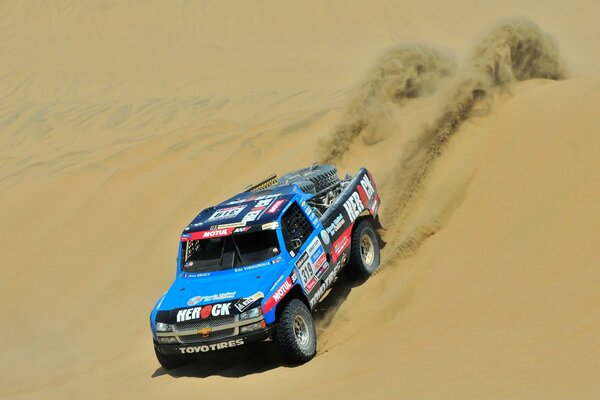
{"x":278,"y":295}
{"x":341,"y":243}
{"x":207,"y":234}
{"x":311,"y":284}
{"x":205,"y":311}
{"x":320,"y":261}
{"x":276,"y":206}
{"x":363,"y":195}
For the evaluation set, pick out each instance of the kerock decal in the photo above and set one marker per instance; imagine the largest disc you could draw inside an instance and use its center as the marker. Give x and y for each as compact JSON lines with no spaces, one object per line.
{"x":354,"y":206}
{"x":215,"y":310}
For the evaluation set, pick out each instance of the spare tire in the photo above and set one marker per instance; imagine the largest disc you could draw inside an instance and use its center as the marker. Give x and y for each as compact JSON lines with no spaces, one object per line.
{"x":306,"y":186}
{"x":323,"y":177}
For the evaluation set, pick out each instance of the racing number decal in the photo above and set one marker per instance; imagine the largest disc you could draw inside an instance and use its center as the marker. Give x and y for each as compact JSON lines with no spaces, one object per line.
{"x":312,"y":264}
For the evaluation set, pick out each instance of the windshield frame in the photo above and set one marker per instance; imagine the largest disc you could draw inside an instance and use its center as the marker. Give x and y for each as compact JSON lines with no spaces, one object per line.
{"x":239,"y":259}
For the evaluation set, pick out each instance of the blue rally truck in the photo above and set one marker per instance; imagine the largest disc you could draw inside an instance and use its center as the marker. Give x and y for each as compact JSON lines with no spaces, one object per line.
{"x":253,"y":267}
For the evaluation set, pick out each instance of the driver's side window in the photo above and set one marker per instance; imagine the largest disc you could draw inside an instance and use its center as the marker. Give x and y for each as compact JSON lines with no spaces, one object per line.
{"x":296,"y":228}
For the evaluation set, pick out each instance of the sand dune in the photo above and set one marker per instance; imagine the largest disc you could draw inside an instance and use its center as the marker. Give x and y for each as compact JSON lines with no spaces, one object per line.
{"x":119,"y":121}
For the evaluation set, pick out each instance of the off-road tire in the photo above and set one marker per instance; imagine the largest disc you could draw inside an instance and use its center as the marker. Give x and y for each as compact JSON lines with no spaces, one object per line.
{"x":322,"y":176}
{"x":293,"y":346}
{"x":364,"y":252}
{"x":170,"y":362}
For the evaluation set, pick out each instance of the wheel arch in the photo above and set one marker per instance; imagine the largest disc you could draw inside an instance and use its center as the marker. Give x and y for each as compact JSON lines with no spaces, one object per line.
{"x":294,"y":293}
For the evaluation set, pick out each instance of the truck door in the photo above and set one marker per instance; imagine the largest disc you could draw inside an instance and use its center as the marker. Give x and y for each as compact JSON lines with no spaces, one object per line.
{"x":302,"y":242}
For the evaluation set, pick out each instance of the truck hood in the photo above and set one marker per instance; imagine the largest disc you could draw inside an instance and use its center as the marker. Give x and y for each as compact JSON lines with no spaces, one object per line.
{"x":194,"y":290}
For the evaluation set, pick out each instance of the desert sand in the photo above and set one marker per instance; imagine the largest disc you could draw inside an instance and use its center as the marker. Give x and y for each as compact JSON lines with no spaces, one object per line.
{"x":120,"y":121}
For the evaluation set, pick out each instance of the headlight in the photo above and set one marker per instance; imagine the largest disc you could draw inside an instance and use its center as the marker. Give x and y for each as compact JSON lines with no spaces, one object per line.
{"x":167,"y":340}
{"x":162,"y":327}
{"x":255,"y":312}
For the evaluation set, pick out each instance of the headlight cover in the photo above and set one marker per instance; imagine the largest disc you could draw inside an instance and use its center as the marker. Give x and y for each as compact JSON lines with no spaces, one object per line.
{"x":162,"y":327}
{"x":167,"y":340}
{"x":253,"y":313}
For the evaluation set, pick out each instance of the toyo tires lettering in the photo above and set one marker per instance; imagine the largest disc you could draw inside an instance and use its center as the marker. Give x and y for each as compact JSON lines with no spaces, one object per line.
{"x":215,"y":310}
{"x":328,"y":281}
{"x":210,"y":347}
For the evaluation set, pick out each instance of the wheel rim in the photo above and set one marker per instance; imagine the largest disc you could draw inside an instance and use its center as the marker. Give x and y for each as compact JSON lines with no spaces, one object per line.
{"x":367,"y":250}
{"x":301,"y":331}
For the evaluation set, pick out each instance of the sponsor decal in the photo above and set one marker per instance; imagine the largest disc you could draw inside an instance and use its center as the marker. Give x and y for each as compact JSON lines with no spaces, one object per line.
{"x":354,"y":206}
{"x":252,"y":216}
{"x":213,"y":297}
{"x":341,"y":243}
{"x":211,"y":347}
{"x":375,"y":205}
{"x":231,"y":225}
{"x":207,"y":234}
{"x":254,"y":266}
{"x":226,"y":213}
{"x":311,"y":284}
{"x":198,"y":275}
{"x":320,"y":272}
{"x":276,"y":206}
{"x":330,"y":278}
{"x":216,"y":233}
{"x":264,"y":203}
{"x":244,"y":303}
{"x":214,"y":310}
{"x":335,"y":225}
{"x":367,"y":186}
{"x":275,"y":261}
{"x":270,"y":225}
{"x":241,"y":230}
{"x":278,"y":295}
{"x":325,"y":236}
{"x":309,"y":263}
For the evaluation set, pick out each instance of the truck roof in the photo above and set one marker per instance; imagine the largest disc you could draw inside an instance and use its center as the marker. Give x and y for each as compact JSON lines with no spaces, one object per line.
{"x":246,"y":209}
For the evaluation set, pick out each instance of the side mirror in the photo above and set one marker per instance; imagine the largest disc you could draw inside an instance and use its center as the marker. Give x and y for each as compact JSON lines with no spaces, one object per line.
{"x":296,"y":244}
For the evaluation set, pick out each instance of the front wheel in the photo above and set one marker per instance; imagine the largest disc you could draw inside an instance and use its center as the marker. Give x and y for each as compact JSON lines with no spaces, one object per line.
{"x":295,"y":336}
{"x":364,"y":253}
{"x":170,"y":362}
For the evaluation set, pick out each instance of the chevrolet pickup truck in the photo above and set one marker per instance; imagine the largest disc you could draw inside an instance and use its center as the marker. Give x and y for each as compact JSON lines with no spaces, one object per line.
{"x":253,"y":267}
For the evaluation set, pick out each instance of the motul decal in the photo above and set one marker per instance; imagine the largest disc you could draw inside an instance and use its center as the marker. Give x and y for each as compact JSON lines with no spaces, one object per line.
{"x":207,"y":234}
{"x":278,"y":295}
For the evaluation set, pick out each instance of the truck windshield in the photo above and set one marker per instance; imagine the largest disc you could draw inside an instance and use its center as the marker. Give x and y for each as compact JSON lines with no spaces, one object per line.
{"x":217,"y":254}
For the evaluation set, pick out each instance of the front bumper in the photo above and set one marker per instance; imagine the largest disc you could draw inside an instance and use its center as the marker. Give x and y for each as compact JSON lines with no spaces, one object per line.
{"x":214,"y":345}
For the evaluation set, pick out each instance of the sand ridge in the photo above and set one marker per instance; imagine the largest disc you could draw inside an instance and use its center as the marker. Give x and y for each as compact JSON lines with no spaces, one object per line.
{"x":121,"y":120}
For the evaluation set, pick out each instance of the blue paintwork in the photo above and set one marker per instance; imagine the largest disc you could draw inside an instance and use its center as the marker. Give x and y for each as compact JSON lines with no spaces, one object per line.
{"x":265,"y":277}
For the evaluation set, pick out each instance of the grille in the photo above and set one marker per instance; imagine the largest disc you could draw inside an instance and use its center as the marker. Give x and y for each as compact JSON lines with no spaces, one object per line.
{"x":216,"y":321}
{"x":213,"y":335}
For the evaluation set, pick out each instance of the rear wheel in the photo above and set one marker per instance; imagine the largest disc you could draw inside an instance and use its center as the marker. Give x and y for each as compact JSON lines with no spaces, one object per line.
{"x":364,"y":253}
{"x":296,"y":337}
{"x":170,"y":362}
